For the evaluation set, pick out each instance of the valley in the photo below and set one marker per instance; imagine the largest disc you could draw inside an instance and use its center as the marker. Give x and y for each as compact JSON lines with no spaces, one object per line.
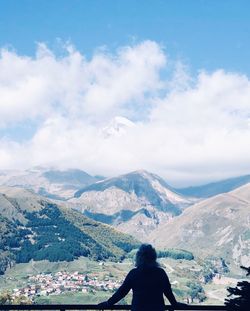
{"x":87,"y":281}
{"x":75,"y":242}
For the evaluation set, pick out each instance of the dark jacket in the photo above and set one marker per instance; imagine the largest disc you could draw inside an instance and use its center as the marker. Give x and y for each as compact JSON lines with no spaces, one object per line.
{"x":148,"y":283}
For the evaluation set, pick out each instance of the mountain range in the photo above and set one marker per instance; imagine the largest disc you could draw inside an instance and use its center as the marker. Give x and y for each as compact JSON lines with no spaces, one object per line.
{"x":208,"y":219}
{"x":65,"y":184}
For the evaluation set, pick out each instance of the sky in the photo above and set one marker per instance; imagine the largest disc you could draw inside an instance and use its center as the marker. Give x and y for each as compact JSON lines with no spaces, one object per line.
{"x":176,"y":74}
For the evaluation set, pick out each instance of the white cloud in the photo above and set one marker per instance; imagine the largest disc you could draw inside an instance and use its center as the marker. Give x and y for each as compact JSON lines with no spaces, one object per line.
{"x":95,"y":89}
{"x":196,"y":128}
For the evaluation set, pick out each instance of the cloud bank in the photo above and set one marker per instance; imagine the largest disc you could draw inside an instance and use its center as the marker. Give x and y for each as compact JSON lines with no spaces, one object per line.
{"x":187,"y":129}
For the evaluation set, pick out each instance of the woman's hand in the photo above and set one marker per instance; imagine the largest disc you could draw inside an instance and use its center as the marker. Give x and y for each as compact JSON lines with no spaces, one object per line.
{"x":103,"y":305}
{"x":180,"y":304}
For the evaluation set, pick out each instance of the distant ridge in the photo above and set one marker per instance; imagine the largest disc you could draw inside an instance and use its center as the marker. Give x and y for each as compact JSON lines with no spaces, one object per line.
{"x":214,"y":188}
{"x":67,"y":183}
{"x":50,"y":183}
{"x":71,"y":176}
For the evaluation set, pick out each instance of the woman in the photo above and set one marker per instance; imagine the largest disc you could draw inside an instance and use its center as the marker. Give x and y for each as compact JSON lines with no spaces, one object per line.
{"x":148,"y":281}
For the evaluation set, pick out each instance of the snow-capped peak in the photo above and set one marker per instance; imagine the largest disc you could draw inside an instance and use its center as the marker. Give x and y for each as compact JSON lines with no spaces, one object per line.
{"x":117,"y":127}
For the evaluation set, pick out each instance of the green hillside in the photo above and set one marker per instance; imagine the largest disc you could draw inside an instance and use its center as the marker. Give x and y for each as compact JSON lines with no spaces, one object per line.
{"x":44,"y":230}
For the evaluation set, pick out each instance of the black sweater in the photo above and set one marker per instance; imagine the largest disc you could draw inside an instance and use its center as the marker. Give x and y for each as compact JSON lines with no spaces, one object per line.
{"x":148,"y":285}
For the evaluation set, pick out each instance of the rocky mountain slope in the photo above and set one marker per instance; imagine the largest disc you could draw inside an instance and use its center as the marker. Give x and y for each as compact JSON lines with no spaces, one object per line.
{"x":218,"y":226}
{"x":32,"y":227}
{"x":51,"y":183}
{"x":136,"y":202}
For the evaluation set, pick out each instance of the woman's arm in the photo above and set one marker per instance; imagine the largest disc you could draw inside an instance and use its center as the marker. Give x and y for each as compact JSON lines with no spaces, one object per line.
{"x":168,"y":290}
{"x":169,"y":293}
{"x":121,"y":292}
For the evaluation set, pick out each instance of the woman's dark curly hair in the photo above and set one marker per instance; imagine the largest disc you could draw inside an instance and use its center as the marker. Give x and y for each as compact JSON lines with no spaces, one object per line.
{"x":146,"y":255}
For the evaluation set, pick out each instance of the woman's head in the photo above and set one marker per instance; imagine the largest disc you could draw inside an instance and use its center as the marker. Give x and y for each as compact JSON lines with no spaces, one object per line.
{"x":146,"y":255}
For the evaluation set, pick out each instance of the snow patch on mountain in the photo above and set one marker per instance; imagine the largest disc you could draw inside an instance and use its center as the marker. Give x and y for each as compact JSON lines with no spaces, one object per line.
{"x":117,"y":127}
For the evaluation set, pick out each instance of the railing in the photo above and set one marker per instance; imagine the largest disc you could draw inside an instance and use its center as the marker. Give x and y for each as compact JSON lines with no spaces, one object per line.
{"x":95,"y":307}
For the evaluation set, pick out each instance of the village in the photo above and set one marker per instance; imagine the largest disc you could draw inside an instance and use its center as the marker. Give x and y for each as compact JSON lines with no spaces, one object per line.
{"x":61,"y":282}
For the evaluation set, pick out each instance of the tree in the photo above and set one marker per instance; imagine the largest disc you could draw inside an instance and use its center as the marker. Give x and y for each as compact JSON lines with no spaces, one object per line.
{"x":196,"y":291}
{"x":241,"y":295}
{"x":6,"y":298}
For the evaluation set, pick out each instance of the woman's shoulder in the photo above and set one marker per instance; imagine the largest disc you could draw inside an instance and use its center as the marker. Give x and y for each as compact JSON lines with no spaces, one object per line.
{"x":132,"y":274}
{"x":156,"y":268}
{"x":159,"y":269}
{"x":133,"y":271}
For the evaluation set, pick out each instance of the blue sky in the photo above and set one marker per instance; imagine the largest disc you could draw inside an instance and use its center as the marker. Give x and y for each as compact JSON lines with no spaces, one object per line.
{"x":208,"y":34}
{"x":179,"y":70}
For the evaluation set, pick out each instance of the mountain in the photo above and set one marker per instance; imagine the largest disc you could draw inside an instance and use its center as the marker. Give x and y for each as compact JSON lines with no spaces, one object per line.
{"x":212,"y":189}
{"x":218,"y":226}
{"x":135,"y":203}
{"x":117,"y":127}
{"x":33,"y":227}
{"x":54,"y":184}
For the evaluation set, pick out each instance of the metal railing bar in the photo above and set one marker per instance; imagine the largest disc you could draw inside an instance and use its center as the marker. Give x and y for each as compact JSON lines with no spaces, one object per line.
{"x":95,"y":307}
